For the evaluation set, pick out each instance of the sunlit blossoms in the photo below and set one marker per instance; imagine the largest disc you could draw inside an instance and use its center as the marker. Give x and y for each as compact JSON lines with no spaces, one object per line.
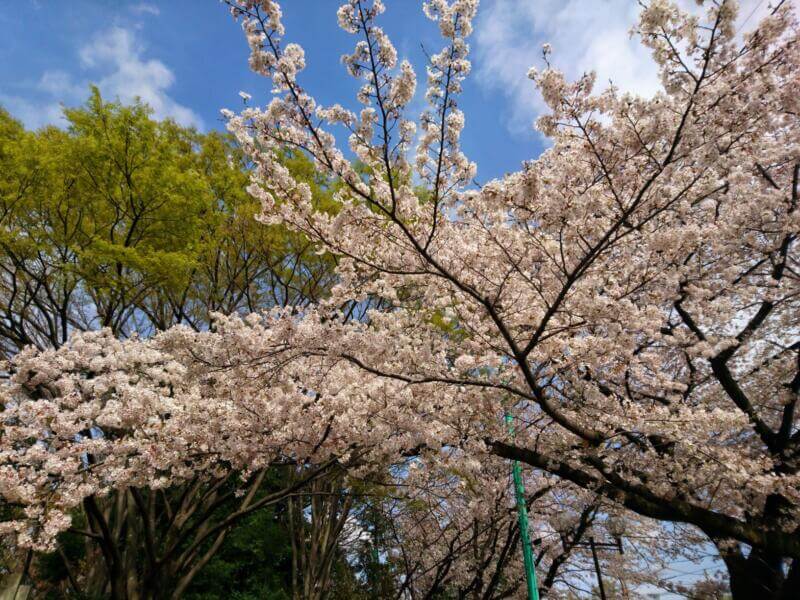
{"x":632,"y":296}
{"x":101,"y":414}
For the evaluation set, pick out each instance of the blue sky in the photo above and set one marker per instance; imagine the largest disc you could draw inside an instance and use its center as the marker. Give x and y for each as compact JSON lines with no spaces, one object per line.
{"x":188,"y":59}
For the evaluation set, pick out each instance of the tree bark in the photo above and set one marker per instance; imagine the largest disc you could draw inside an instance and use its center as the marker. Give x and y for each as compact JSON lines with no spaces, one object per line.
{"x":758,"y":576}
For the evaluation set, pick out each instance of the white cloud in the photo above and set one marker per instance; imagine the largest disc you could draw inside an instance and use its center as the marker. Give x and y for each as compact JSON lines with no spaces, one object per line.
{"x":117,"y":52}
{"x":52,"y":88}
{"x":60,"y":85}
{"x":113,"y":61}
{"x":32,"y":114}
{"x":145,"y":8}
{"x":585,"y":36}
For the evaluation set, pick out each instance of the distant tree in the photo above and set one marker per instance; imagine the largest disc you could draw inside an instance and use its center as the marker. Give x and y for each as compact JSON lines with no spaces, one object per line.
{"x":129,"y":223}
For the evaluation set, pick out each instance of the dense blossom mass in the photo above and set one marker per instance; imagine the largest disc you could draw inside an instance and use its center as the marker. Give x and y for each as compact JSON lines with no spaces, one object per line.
{"x":632,"y":296}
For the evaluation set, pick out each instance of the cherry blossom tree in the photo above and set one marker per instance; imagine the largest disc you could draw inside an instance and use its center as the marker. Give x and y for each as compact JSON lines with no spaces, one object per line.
{"x":630,"y":296}
{"x":632,"y":292}
{"x":97,"y":417}
{"x":452,"y":529}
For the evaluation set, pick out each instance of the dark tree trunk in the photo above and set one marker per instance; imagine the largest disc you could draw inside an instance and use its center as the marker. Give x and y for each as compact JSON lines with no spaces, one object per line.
{"x":762,"y":575}
{"x":757,"y":577}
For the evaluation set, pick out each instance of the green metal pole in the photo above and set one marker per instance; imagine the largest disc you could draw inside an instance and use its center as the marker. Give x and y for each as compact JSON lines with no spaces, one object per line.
{"x":525,"y":536}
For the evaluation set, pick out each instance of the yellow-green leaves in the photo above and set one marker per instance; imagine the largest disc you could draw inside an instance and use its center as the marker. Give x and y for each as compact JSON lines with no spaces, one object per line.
{"x":135,"y":224}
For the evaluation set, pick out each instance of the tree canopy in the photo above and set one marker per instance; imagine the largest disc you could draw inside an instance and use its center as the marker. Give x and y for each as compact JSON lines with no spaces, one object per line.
{"x":629,"y":300}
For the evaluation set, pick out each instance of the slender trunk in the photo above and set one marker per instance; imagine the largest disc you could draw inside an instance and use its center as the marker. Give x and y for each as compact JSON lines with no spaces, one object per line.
{"x":116,"y":575}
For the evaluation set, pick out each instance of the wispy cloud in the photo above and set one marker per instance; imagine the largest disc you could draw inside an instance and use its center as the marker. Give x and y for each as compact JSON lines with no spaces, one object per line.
{"x":585,"y":36}
{"x":113,"y":60}
{"x":40,"y":103}
{"x":34,"y":114}
{"x":129,"y":75}
{"x":145,"y":8}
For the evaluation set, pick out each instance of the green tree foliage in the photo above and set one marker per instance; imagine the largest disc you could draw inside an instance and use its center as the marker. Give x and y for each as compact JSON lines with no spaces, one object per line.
{"x":126,"y":222}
